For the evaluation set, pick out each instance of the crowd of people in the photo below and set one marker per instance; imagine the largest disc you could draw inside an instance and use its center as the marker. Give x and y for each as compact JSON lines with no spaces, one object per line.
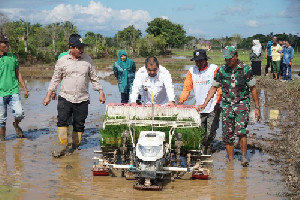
{"x":279,"y":55}
{"x":229,"y":85}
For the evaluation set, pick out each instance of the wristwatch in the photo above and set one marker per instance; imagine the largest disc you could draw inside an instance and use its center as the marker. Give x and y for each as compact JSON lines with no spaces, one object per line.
{"x":256,"y":107}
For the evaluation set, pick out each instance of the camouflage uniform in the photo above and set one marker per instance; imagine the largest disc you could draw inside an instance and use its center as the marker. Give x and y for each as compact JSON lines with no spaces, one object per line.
{"x":235,"y":84}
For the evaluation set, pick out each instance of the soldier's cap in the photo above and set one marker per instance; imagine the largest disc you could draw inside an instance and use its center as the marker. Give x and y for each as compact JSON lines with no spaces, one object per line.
{"x":3,"y":38}
{"x":76,"y":41}
{"x":229,"y":52}
{"x":199,"y":54}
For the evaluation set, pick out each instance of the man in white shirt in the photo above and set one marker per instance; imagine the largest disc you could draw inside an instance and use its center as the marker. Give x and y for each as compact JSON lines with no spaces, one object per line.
{"x":153,"y":78}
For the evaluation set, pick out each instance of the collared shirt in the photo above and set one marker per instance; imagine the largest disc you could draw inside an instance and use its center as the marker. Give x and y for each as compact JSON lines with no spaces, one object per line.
{"x":235,"y":83}
{"x":9,"y":83}
{"x":74,"y":76}
{"x":288,"y":54}
{"x":161,"y":86}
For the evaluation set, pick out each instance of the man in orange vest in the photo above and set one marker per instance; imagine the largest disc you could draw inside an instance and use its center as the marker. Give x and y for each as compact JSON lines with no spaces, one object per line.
{"x":199,"y":79}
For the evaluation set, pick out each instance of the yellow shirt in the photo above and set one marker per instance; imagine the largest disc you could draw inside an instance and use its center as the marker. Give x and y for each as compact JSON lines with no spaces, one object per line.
{"x":276,"y":52}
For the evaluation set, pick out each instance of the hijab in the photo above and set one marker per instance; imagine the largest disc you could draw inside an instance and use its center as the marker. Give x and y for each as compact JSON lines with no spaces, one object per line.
{"x":256,"y":47}
{"x":124,"y":64}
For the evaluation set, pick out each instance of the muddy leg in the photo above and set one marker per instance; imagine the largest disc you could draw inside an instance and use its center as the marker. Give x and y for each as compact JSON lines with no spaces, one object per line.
{"x":18,"y":129}
{"x":2,"y":133}
{"x":243,"y":146}
{"x":230,"y":151}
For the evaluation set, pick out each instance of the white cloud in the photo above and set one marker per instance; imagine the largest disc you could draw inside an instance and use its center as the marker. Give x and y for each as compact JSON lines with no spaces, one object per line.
{"x":292,"y":10}
{"x":93,"y":17}
{"x":195,"y":32}
{"x":164,"y":17}
{"x":13,"y":12}
{"x":238,"y":9}
{"x":252,"y":23}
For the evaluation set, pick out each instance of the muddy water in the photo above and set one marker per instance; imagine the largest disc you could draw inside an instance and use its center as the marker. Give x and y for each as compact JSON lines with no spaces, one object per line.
{"x":27,"y":170}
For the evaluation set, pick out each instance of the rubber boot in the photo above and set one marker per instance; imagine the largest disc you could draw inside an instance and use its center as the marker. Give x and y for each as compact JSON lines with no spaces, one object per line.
{"x":2,"y":134}
{"x":76,"y":137}
{"x":63,"y":148}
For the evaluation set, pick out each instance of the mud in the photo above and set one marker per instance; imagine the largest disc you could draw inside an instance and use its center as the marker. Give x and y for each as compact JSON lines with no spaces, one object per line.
{"x":27,"y":170}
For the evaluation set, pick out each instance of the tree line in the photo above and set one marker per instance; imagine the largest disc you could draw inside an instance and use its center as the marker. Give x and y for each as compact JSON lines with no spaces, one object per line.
{"x":35,"y":43}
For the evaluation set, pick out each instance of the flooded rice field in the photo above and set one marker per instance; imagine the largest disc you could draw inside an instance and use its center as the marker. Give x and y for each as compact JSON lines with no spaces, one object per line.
{"x":28,"y":171}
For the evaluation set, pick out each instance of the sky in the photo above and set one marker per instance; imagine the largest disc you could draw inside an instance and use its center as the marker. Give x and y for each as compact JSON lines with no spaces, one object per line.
{"x":200,"y":18}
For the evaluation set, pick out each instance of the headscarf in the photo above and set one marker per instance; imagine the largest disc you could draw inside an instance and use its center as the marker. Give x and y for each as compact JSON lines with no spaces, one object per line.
{"x":122,"y":67}
{"x":256,"y":47}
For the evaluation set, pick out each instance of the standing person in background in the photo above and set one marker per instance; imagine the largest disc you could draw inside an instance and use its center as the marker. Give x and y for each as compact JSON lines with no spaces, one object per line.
{"x":255,"y":57}
{"x":268,"y":56}
{"x":124,"y":71}
{"x":276,"y":57}
{"x":199,"y":79}
{"x":10,"y":77}
{"x":281,"y":58}
{"x":73,"y":71}
{"x":288,"y":55}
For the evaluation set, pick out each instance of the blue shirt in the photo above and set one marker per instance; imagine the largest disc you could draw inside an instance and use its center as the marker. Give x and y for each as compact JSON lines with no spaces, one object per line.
{"x":268,"y":46}
{"x":288,"y":54}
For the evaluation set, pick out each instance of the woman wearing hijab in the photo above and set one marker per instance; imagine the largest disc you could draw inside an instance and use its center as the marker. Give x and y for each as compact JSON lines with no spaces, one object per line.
{"x":256,"y":57}
{"x":124,"y":70}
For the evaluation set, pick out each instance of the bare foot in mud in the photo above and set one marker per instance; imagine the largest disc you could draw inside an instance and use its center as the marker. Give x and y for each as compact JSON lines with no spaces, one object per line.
{"x":245,"y":162}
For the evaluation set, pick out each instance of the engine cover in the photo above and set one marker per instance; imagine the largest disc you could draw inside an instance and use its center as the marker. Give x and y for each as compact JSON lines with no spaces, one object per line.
{"x":150,"y":146}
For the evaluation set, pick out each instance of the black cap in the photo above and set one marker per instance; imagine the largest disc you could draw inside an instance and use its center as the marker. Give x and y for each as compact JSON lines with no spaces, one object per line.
{"x":199,"y":54}
{"x":76,"y":41}
{"x":3,"y":38}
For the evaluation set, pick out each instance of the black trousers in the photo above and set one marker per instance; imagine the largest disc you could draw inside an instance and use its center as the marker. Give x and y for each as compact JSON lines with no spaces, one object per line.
{"x":124,"y":97}
{"x":256,"y":68}
{"x":269,"y":60}
{"x":66,"y":109}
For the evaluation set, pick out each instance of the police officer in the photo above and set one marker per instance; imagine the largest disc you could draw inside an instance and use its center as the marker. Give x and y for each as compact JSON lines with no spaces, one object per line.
{"x":236,"y":81}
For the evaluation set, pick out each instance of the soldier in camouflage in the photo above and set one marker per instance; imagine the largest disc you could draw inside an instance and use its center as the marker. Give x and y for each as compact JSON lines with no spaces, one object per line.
{"x":236,"y":81}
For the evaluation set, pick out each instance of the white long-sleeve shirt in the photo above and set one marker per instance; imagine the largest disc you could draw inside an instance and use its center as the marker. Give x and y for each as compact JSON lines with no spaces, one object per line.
{"x":161,"y":86}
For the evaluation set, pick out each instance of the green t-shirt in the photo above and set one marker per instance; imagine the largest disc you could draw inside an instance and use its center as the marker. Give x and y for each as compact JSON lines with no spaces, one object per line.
{"x":9,"y":83}
{"x":63,"y":54}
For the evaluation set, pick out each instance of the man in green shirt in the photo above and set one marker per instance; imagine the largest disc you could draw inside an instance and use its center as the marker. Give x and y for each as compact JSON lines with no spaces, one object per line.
{"x":9,"y":88}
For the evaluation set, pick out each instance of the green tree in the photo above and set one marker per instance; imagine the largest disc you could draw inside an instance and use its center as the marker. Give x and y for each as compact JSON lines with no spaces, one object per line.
{"x":174,"y":34}
{"x":236,"y":39}
{"x":128,"y":37}
{"x":95,"y":44}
